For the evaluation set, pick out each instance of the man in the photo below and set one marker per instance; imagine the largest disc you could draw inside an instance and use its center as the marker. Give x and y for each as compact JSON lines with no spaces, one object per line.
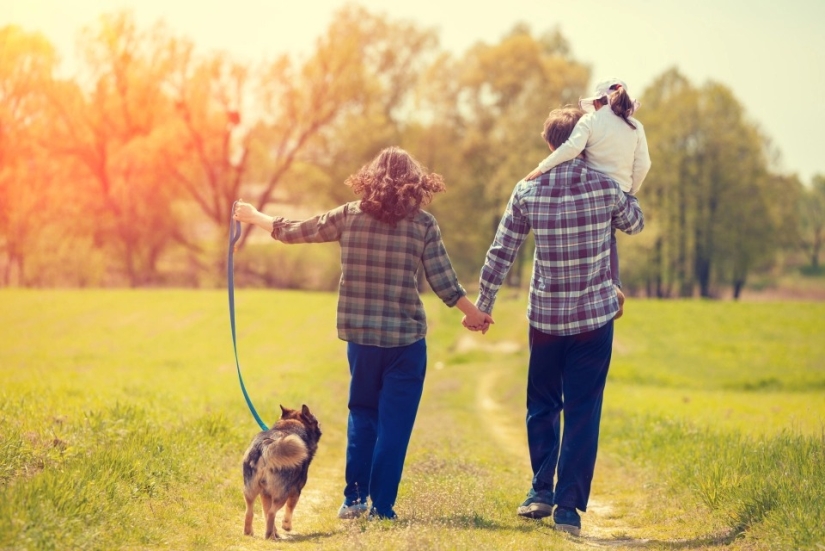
{"x":571,"y":307}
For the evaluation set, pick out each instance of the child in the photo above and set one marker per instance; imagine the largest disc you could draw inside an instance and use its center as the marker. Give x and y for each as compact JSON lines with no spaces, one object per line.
{"x":615,"y":145}
{"x":385,"y":239}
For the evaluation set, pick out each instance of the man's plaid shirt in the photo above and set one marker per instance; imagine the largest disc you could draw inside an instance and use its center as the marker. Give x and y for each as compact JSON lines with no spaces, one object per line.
{"x":378,"y":300}
{"x":570,"y":210}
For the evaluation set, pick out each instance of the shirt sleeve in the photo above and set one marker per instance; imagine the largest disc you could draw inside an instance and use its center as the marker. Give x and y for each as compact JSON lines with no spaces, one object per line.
{"x":438,"y":269}
{"x":512,"y":231}
{"x":318,"y":229}
{"x":641,"y":161}
{"x":571,"y":148}
{"x":628,"y":216}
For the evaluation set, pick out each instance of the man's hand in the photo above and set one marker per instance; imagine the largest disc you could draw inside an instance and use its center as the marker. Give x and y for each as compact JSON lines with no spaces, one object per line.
{"x":478,"y":323}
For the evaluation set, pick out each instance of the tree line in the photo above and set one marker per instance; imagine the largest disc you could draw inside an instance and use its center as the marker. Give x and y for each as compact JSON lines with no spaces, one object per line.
{"x":124,"y":173}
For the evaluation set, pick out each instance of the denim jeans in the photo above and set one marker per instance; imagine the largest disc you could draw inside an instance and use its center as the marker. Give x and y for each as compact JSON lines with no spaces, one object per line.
{"x":566,"y":376}
{"x":385,"y":391}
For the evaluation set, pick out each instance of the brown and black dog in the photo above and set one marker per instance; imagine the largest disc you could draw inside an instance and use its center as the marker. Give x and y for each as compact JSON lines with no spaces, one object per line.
{"x":276,"y":467}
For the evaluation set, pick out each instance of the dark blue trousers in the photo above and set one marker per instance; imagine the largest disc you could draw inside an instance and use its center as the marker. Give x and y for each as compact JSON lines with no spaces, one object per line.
{"x":384,"y":394}
{"x":566,"y":376}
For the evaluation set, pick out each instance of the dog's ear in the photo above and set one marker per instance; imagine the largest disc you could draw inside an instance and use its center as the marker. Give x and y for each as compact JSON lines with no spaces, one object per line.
{"x":308,"y":414}
{"x":283,"y":411}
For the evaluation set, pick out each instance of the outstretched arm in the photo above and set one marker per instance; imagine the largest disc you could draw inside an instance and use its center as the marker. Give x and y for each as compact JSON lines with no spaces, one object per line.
{"x":246,"y":213}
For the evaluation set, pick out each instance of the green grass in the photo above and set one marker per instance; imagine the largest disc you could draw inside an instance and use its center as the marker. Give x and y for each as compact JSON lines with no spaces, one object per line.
{"x":122,"y":425}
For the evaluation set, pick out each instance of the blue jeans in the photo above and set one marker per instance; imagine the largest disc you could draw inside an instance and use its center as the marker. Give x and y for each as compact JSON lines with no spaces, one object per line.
{"x":566,"y":375}
{"x":384,"y":394}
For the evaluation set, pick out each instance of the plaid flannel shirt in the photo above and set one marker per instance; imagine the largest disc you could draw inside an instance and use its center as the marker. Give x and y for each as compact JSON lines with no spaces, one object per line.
{"x":378,"y":300}
{"x":570,"y":210}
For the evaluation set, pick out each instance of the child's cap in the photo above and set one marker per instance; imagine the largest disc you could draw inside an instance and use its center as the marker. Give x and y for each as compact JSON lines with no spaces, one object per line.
{"x":603,"y":89}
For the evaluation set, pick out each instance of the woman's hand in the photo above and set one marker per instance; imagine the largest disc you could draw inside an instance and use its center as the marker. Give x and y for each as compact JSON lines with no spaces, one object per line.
{"x":477,"y":321}
{"x":246,"y":213}
{"x":474,"y":319}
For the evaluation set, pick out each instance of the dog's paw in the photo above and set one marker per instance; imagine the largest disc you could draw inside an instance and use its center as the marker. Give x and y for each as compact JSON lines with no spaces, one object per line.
{"x":287,"y":525}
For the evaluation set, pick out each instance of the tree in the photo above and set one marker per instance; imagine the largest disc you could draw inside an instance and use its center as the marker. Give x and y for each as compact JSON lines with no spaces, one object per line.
{"x":710,"y":196}
{"x":812,"y":220}
{"x":391,"y":58}
{"x":491,"y":104}
{"x":27,"y":63}
{"x":115,"y":126}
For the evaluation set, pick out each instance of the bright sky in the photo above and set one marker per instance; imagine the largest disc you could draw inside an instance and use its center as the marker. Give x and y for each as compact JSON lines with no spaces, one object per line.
{"x":771,"y":54}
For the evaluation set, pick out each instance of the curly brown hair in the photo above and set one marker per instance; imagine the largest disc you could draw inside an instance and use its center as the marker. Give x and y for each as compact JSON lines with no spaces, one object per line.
{"x":394,"y":186}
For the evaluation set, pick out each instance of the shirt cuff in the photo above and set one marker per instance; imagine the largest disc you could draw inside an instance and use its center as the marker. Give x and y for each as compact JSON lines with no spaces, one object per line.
{"x":454,"y":297}
{"x":485,"y":303}
{"x":277,"y":223}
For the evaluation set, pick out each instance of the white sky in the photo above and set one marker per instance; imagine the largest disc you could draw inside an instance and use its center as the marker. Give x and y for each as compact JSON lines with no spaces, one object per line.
{"x":771,"y":54}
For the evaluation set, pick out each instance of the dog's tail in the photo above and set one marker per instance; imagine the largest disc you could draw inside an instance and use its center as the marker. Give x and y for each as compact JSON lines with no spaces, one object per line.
{"x":286,"y":452}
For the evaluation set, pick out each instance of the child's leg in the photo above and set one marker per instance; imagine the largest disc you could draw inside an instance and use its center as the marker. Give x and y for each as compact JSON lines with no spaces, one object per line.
{"x":614,"y":260}
{"x":614,"y":272}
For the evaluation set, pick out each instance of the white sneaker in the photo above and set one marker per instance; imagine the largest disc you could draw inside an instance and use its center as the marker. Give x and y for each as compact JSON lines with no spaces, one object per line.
{"x":349,"y":512}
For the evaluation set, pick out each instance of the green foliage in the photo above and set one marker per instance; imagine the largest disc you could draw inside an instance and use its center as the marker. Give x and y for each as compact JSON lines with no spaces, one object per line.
{"x":812,"y":222}
{"x":140,"y":162}
{"x":717,"y":211}
{"x":769,"y":489}
{"x":721,"y":346}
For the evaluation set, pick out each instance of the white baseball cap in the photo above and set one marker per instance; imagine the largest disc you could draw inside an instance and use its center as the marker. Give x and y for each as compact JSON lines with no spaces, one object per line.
{"x":603,"y":89}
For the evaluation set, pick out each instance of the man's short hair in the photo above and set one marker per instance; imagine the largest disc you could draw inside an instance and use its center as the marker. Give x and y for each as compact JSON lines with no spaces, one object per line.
{"x":560,"y":123}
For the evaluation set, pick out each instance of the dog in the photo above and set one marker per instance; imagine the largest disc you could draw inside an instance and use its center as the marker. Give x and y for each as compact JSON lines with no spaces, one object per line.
{"x":276,"y":466}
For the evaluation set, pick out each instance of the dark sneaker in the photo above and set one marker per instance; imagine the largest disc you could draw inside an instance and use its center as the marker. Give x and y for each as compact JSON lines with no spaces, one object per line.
{"x":375,"y":515}
{"x":620,"y":296}
{"x":351,"y":511}
{"x":567,"y":520}
{"x":537,"y":505}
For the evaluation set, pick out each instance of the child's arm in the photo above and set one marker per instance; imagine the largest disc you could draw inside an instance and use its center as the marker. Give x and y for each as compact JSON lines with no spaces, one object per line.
{"x":641,"y":161}
{"x":570,"y":149}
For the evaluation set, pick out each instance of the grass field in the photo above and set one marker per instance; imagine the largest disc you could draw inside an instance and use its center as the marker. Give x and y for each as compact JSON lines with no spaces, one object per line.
{"x":122,"y":426}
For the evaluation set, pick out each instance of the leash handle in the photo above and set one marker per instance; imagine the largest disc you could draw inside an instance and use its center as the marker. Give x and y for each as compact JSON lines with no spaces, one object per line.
{"x":234,"y":235}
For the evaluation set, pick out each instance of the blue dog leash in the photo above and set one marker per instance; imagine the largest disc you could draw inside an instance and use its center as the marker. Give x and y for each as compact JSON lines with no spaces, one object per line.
{"x":234,"y":235}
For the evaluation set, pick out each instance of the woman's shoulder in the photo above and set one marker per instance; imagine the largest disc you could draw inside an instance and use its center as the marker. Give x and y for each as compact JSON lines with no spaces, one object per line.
{"x":353,"y":207}
{"x":424,"y":217}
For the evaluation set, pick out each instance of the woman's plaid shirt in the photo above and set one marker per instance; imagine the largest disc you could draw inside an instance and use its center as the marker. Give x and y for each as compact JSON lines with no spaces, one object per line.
{"x":570,"y":210}
{"x":378,"y":300}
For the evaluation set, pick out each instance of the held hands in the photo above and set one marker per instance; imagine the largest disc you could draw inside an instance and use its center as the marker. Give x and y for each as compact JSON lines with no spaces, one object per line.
{"x":477,"y":321}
